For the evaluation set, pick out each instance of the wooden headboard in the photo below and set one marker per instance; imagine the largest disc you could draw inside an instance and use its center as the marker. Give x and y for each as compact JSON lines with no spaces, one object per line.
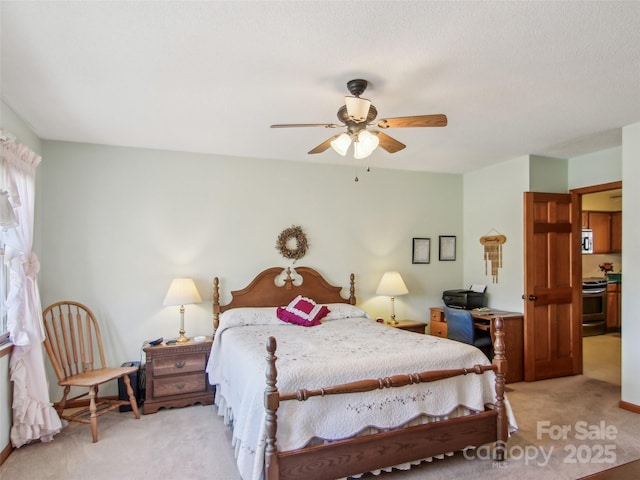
{"x":264,"y":292}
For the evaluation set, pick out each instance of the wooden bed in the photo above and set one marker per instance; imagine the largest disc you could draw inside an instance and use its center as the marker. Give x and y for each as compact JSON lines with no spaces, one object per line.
{"x":372,"y":452}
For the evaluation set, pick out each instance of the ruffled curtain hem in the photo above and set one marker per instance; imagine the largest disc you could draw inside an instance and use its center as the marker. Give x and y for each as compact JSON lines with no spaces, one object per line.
{"x":32,"y":419}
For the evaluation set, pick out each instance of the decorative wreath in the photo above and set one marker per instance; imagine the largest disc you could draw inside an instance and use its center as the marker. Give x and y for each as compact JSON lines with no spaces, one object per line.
{"x":295,"y":232}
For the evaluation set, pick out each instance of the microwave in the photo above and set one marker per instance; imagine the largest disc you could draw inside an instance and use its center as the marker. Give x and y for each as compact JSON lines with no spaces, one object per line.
{"x":587,"y":240}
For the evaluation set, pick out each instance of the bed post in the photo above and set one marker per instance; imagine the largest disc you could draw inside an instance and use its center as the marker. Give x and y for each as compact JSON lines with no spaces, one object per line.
{"x":216,"y":304}
{"x":288,"y":282}
{"x":500,"y":361}
{"x":271,"y":403}
{"x":352,"y":290}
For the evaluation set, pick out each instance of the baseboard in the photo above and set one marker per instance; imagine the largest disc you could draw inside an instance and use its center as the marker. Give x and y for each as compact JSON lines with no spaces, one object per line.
{"x":6,"y":451}
{"x":629,"y":406}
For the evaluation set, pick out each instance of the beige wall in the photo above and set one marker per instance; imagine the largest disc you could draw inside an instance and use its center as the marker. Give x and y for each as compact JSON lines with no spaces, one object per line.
{"x":631,"y":272}
{"x":493,"y":206}
{"x":548,"y":174}
{"x":595,"y":168}
{"x":119,"y":223}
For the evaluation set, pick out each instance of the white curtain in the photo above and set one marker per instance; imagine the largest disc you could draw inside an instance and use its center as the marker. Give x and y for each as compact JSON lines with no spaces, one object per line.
{"x":33,"y":416}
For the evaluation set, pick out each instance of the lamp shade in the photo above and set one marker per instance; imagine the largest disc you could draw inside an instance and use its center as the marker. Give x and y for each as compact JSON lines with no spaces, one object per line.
{"x":357,"y":108}
{"x":366,"y":143}
{"x":341,"y":144}
{"x":392,"y":285}
{"x":182,"y":291}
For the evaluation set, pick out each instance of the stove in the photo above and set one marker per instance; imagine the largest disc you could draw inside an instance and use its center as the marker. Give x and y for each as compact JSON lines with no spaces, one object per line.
{"x":594,"y":306}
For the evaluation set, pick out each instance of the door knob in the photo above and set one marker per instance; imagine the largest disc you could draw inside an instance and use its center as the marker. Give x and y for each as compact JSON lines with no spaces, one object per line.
{"x":530,"y":297}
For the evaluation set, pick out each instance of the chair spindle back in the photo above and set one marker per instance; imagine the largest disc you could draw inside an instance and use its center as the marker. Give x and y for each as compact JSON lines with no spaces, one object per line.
{"x":73,"y":341}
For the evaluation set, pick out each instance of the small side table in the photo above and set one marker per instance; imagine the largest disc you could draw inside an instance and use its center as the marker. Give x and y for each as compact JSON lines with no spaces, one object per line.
{"x":176,"y":377}
{"x":438,"y":325}
{"x":411,"y":325}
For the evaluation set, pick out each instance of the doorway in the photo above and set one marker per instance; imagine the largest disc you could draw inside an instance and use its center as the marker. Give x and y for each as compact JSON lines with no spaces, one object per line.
{"x":601,"y":353}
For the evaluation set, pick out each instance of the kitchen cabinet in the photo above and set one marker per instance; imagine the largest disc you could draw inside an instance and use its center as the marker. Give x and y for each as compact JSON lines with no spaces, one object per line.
{"x":585,"y":219}
{"x":614,"y":292}
{"x":607,"y":230}
{"x":600,"y":223}
{"x":616,"y":232}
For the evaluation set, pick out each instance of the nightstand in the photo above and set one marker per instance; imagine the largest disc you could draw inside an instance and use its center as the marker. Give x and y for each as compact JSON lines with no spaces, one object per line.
{"x":438,"y":325}
{"x":410,"y":325}
{"x":176,"y":377}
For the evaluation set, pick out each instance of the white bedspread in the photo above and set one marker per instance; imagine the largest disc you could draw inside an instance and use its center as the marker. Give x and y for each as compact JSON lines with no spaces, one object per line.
{"x":337,"y":351}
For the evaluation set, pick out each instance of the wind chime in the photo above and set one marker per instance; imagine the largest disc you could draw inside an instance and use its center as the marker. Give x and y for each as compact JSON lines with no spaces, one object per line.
{"x":493,"y":253}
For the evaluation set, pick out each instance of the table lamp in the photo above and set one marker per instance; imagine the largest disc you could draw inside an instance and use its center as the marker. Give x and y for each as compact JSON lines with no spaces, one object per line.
{"x":392,"y":285}
{"x":182,"y":291}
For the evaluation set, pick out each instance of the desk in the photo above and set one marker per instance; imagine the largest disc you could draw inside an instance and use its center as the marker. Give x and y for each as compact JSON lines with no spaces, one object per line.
{"x":483,"y":319}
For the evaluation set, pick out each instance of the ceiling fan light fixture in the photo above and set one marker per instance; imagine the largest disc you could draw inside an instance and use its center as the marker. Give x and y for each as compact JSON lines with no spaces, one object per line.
{"x":365,"y":144}
{"x":357,"y":108}
{"x":341,"y":144}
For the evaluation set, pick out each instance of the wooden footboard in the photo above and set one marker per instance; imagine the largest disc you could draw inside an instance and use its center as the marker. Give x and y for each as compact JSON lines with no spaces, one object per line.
{"x":370,"y":452}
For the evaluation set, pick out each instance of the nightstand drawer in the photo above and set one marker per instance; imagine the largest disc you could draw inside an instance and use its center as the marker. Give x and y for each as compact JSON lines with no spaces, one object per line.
{"x":179,"y":385}
{"x":437,"y":315}
{"x":437,"y":323}
{"x":439,"y":329}
{"x":179,"y":364}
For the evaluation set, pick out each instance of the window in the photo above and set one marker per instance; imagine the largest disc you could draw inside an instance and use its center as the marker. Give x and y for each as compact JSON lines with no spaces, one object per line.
{"x":4,"y":290}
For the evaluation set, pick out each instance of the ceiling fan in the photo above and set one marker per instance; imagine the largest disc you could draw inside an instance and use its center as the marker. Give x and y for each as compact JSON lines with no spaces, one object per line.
{"x":359,"y":113}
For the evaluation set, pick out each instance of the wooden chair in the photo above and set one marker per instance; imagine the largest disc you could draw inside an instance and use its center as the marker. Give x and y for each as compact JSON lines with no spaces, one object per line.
{"x":460,"y":327}
{"x":74,"y":346}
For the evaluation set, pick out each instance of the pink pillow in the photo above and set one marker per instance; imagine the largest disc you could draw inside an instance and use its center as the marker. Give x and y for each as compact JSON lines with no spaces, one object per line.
{"x":302,"y":311}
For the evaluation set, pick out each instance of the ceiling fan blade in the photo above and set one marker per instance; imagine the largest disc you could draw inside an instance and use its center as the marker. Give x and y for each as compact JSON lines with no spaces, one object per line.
{"x":324,"y":145}
{"x":388,"y":143}
{"x":437,"y":120}
{"x":292,"y":125}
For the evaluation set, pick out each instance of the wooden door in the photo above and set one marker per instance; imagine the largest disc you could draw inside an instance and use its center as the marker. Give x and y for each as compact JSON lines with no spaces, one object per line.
{"x":552,"y":286}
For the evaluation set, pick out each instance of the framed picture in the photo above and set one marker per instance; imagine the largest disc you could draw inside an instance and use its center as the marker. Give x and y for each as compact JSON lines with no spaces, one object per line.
{"x":447,"y":247}
{"x":421,"y":250}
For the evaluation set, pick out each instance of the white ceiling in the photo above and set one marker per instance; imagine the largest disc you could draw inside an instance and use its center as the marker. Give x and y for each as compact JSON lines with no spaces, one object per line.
{"x":514,"y":78}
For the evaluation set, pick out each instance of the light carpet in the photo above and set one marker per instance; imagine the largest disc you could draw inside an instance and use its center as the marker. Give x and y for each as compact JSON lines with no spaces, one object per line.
{"x":193,"y":443}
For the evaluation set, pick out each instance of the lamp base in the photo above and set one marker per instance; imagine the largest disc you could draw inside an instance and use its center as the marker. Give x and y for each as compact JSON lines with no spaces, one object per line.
{"x":182,"y":338}
{"x":393,"y":320}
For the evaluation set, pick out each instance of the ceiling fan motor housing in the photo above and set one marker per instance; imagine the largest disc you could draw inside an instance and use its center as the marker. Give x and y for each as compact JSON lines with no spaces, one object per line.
{"x":357,"y":87}
{"x":355,"y":127}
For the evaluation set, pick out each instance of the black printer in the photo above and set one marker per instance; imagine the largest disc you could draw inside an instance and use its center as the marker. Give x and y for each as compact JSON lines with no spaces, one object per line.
{"x":467,"y":299}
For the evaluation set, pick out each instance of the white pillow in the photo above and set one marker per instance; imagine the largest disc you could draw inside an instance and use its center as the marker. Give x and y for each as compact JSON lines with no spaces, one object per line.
{"x":248,"y":316}
{"x":344,"y":310}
